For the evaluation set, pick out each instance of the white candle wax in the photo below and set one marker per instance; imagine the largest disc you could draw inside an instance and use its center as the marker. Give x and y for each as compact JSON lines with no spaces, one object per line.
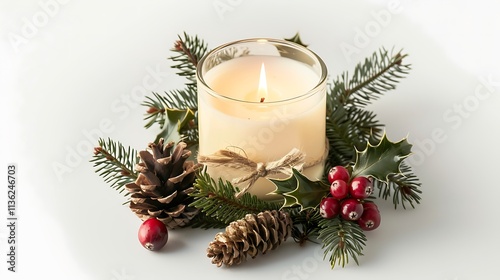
{"x":288,"y":117}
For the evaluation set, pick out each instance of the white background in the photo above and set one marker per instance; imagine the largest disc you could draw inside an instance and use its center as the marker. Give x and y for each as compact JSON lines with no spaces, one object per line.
{"x":71,"y":70}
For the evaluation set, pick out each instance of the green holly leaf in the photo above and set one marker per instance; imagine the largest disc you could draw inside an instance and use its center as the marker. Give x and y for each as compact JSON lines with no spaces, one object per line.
{"x":296,"y":39}
{"x":308,"y":193}
{"x":299,"y":190}
{"x":283,"y":187}
{"x":381,"y":160}
{"x":175,"y":120}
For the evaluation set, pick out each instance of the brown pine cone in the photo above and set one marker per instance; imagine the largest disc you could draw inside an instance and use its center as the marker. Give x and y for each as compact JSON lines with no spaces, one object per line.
{"x":248,"y":236}
{"x":163,"y":185}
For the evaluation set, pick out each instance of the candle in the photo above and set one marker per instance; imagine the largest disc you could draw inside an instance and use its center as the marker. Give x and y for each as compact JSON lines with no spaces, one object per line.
{"x":262,"y":99}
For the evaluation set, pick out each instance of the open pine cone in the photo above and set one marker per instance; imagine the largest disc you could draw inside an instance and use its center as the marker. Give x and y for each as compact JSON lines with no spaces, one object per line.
{"x":248,"y":236}
{"x":163,"y":185}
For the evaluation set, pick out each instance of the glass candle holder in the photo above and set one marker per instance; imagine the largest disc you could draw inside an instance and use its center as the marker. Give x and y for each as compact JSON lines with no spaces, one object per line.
{"x":262,"y":99}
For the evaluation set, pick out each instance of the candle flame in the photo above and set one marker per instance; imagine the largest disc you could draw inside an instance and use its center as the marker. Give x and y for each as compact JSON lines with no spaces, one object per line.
{"x":262,"y":92}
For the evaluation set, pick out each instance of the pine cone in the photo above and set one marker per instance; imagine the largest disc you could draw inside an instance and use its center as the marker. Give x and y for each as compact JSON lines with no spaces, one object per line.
{"x":161,"y":189}
{"x":248,"y":236}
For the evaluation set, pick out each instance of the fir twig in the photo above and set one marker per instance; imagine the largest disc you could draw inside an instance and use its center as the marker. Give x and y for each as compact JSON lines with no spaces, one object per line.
{"x":115,"y":163}
{"x":217,"y":200}
{"x":377,"y":74}
{"x":175,"y":99}
{"x":348,"y":124}
{"x":305,"y":224}
{"x":404,"y":187}
{"x":341,"y":240}
{"x":189,"y":50}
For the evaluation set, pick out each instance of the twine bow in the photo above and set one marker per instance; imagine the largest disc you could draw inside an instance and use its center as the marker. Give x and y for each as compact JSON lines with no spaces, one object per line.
{"x":255,"y":170}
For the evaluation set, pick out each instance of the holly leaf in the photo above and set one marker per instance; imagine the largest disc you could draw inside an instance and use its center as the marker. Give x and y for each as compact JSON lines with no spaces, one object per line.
{"x":283,"y":187}
{"x":298,"y":189}
{"x":382,"y":159}
{"x":296,"y":39}
{"x":175,"y":120}
{"x":308,"y":193}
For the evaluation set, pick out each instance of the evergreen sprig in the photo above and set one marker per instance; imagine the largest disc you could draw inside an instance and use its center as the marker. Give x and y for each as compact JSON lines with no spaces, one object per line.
{"x":378,"y":74}
{"x":349,"y":124}
{"x":341,"y":240}
{"x":158,"y":105}
{"x":188,"y":51}
{"x":115,"y":163}
{"x":218,"y":200}
{"x":174,"y":99}
{"x":404,"y":187}
{"x":305,"y":224}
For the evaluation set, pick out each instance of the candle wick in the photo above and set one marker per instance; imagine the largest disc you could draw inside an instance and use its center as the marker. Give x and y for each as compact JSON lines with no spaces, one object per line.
{"x":262,"y":99}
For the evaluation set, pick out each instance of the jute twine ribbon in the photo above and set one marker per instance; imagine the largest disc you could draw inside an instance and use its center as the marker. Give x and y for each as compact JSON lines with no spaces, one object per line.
{"x":255,"y":170}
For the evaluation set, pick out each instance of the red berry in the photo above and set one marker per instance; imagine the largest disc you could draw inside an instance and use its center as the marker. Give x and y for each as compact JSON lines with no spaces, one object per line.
{"x":338,"y":173}
{"x":370,"y":219}
{"x":351,"y":209}
{"x":361,"y":187}
{"x":329,"y":208}
{"x":153,"y":234}
{"x":339,"y":189}
{"x":370,"y":204}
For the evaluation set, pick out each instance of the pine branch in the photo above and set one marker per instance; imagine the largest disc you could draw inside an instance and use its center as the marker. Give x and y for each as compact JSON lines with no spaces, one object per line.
{"x":115,"y":163}
{"x":347,"y":129}
{"x":341,"y":240}
{"x":189,"y":51}
{"x":175,"y":99}
{"x":348,"y":124}
{"x":217,"y":200}
{"x":305,"y":224}
{"x":379,"y":73}
{"x":404,"y":187}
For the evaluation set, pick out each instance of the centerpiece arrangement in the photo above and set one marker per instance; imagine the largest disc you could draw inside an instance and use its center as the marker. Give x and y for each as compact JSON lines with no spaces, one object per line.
{"x":261,"y":144}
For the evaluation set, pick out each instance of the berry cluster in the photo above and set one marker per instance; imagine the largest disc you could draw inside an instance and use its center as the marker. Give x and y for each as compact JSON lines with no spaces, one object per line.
{"x":347,"y":199}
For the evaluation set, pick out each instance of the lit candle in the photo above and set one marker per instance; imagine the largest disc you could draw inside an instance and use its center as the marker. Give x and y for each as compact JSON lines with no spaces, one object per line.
{"x":262,"y":102}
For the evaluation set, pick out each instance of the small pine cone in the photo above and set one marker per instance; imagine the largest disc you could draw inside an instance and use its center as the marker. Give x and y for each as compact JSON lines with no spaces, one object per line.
{"x":163,"y":185}
{"x":248,"y":236}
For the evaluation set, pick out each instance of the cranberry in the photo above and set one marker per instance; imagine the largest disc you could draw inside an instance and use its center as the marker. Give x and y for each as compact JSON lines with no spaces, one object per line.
{"x":370,"y":204}
{"x":153,"y":234}
{"x":329,"y":207}
{"x":351,"y":209}
{"x":338,"y":189}
{"x":338,"y":173}
{"x":361,"y":187}
{"x":370,"y":219}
